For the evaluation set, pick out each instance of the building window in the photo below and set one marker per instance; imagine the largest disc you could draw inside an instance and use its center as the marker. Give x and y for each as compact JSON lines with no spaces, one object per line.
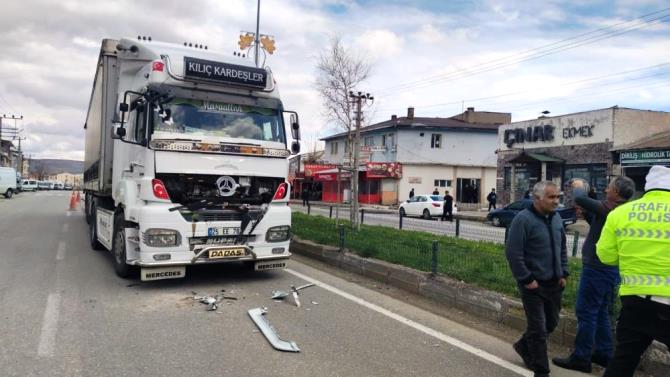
{"x":391,"y":140}
{"x":369,"y":141}
{"x":435,"y":140}
{"x":442,"y":183}
{"x":507,"y":178}
{"x":594,"y":174}
{"x":333,"y":147}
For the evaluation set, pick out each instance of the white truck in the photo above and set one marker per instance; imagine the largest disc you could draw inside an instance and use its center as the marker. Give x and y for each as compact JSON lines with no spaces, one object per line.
{"x":186,"y":160}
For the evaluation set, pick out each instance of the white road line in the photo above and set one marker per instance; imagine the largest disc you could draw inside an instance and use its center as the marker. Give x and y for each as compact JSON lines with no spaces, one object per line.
{"x":68,"y":213}
{"x":49,"y":326}
{"x":60,"y":254}
{"x":417,"y":326}
{"x":66,"y":227}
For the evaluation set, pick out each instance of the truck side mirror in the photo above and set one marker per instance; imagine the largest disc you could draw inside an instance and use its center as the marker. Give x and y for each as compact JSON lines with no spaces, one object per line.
{"x":295,"y":147}
{"x":121,"y":132}
{"x":295,"y":127}
{"x":123,"y":107}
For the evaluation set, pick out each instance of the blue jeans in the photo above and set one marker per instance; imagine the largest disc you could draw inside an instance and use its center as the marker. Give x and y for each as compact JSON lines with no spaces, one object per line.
{"x":594,"y":333}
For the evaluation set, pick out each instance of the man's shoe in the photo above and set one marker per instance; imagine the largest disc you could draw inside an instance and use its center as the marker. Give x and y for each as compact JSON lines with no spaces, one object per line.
{"x":540,"y":374}
{"x":519,"y":348}
{"x":600,"y":360}
{"x":571,"y":362}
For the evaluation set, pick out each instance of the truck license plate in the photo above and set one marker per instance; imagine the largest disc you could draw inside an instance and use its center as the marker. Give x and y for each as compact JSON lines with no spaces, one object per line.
{"x":223,"y":231}
{"x":226,"y":253}
{"x":269,"y":265}
{"x":160,"y":273}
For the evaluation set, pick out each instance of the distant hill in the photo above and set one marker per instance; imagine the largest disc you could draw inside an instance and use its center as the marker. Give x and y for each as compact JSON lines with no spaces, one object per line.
{"x":53,"y":166}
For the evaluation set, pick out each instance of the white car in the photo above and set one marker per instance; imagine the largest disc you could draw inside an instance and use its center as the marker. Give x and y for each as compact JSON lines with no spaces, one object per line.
{"x":426,"y":206}
{"x":29,"y":185}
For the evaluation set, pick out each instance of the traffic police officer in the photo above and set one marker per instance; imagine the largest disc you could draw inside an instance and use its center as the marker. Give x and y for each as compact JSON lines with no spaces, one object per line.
{"x":636,"y":237}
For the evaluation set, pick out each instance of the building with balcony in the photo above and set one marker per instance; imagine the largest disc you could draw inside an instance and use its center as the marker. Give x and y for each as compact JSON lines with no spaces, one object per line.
{"x":404,"y":153}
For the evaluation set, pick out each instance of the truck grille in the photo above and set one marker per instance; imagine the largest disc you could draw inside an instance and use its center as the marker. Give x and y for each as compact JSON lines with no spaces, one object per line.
{"x":201,"y":242}
{"x":217,"y":215}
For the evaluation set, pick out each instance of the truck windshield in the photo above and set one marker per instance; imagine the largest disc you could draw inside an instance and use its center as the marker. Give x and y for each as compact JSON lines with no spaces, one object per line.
{"x":206,"y":118}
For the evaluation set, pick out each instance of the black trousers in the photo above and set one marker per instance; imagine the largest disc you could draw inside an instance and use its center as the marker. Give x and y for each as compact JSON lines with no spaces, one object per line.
{"x":542,"y":306}
{"x":641,"y":321}
{"x":492,"y":205}
{"x":446,"y":214}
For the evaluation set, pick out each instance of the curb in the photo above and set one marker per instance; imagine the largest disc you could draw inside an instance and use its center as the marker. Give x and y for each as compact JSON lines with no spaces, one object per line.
{"x":482,"y":303}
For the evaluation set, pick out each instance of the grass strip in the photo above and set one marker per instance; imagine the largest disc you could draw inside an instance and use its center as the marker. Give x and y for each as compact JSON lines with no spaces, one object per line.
{"x":478,"y":263}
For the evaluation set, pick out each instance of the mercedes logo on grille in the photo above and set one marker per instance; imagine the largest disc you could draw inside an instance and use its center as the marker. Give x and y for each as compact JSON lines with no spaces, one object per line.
{"x":226,"y":185}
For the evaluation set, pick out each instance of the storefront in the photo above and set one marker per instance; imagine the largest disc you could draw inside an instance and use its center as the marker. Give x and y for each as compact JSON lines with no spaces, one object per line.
{"x":555,"y":149}
{"x":636,"y":163}
{"x":372,"y":180}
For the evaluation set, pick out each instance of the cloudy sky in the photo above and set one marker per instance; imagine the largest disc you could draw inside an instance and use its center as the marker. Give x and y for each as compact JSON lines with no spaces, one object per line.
{"x":438,"y":56}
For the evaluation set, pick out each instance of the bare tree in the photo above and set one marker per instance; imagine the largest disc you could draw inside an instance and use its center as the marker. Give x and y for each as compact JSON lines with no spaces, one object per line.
{"x":314,"y":155}
{"x":340,"y":72}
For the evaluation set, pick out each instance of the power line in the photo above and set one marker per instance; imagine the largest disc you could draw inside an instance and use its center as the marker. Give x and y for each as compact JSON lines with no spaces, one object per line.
{"x":572,"y":83}
{"x":541,"y":51}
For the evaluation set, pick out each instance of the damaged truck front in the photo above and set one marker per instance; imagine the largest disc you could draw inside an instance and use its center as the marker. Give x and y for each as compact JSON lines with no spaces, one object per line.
{"x":186,"y":160}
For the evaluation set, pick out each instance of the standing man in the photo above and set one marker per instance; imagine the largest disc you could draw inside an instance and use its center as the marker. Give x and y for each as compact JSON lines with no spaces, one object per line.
{"x":435,"y":192}
{"x":636,"y":237}
{"x":537,"y":255}
{"x":598,"y":281}
{"x":492,"y":198}
{"x":448,"y":207}
{"x":411,"y":193}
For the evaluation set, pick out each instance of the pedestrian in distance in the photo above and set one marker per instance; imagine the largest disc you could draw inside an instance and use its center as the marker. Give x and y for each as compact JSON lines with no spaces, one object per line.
{"x":492,"y":198}
{"x":411,"y":193}
{"x":537,"y":255}
{"x":598,"y":282}
{"x":447,"y":208}
{"x":635,"y":238}
{"x":592,"y":193}
{"x":305,"y":196}
{"x":435,"y":192}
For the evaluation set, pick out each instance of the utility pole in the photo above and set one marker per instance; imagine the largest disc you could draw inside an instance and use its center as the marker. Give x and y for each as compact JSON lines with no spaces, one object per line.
{"x":13,"y":131}
{"x":258,"y":26}
{"x":358,"y":98}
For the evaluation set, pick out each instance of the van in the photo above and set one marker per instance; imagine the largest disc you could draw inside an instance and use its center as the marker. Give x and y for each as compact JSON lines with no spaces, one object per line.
{"x":29,"y":185}
{"x":8,"y":185}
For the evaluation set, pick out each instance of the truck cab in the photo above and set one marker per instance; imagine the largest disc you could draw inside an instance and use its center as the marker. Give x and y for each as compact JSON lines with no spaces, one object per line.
{"x":186,"y":160}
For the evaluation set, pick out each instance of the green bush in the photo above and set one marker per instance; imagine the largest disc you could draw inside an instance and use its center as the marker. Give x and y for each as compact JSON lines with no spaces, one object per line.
{"x":475,"y":262}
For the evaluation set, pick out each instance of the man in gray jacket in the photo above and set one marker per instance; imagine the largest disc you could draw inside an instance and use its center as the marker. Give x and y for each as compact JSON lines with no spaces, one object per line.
{"x":538,"y":258}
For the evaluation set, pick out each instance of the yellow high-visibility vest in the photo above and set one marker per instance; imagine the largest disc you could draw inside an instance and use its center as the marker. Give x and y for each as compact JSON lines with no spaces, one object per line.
{"x":636,"y":237}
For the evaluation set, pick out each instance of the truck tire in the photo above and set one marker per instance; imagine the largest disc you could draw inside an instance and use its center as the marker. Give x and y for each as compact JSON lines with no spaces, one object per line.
{"x":87,"y":208}
{"x":9,"y":193}
{"x":119,"y":247}
{"x":92,"y":231}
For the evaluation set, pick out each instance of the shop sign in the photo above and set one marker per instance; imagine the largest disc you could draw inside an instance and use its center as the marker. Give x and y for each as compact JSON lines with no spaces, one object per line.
{"x":646,"y":157}
{"x":332,"y":177}
{"x":383,"y":170}
{"x":311,"y":169}
{"x":414,"y":180}
{"x":529,"y":134}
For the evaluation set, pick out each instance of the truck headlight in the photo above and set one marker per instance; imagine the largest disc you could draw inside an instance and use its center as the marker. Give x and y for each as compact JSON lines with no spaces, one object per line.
{"x":161,"y":237}
{"x":278,"y":233}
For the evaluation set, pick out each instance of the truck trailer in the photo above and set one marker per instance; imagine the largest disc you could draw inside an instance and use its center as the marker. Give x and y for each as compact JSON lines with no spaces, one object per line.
{"x":186,"y":160}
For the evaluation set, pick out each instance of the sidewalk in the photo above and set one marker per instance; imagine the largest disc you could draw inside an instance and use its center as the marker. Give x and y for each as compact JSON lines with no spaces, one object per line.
{"x":580,"y":226}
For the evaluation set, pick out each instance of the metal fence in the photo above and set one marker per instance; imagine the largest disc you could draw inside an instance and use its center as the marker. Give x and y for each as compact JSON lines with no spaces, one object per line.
{"x":465,"y":229}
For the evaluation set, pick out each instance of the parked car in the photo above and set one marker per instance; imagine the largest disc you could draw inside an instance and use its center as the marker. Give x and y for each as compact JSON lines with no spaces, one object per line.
{"x":503,"y":216}
{"x":68,"y":187}
{"x":426,"y":206}
{"x":8,"y":186}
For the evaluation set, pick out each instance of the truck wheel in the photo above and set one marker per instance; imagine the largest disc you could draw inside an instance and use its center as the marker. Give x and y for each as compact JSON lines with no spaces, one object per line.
{"x":9,"y":193}
{"x":87,"y":208}
{"x":92,"y":231}
{"x":119,"y":247}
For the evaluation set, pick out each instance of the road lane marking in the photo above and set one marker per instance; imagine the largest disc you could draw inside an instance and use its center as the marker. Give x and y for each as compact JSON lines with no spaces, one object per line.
{"x":68,"y":213}
{"x":60,"y":254}
{"x":49,"y":326}
{"x":66,"y":227}
{"x":417,"y":326}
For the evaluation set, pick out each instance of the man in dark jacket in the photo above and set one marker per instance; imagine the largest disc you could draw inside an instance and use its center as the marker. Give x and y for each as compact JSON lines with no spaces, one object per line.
{"x":538,"y":258}
{"x":411,"y":193}
{"x":448,"y":207}
{"x":305,"y":196}
{"x":598,"y":281}
{"x":492,"y":198}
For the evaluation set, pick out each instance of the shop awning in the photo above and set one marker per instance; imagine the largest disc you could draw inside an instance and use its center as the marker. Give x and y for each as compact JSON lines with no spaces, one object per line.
{"x":526,"y":157}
